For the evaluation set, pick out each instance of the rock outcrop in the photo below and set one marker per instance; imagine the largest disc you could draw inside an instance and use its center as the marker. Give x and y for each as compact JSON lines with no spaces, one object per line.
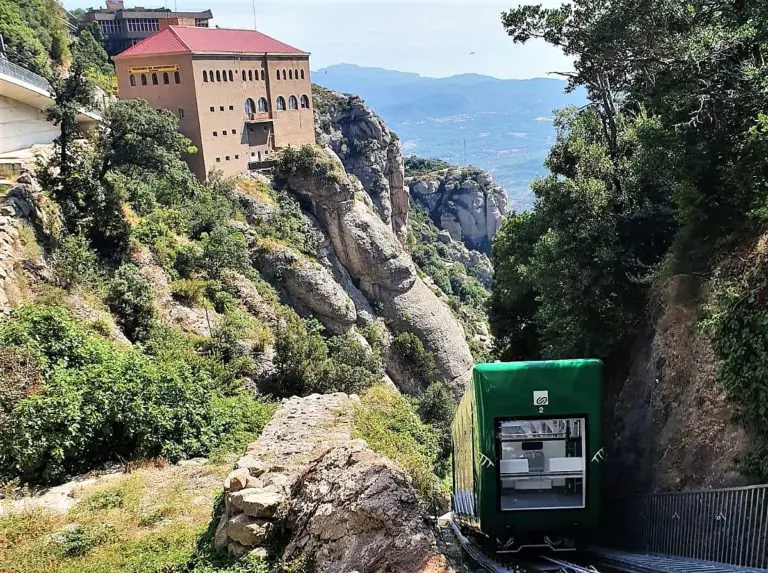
{"x":22,"y":206}
{"x":348,"y":507}
{"x":671,"y":426}
{"x":368,"y":150}
{"x":463,"y":201}
{"x":376,"y":261}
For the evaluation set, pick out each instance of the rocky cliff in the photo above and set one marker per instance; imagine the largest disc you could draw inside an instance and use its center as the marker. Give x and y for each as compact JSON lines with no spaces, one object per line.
{"x":465,"y":202}
{"x":668,"y":423}
{"x":368,"y":150}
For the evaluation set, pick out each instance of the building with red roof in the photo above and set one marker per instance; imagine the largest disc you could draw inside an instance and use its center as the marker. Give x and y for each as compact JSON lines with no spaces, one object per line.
{"x":240,"y":95}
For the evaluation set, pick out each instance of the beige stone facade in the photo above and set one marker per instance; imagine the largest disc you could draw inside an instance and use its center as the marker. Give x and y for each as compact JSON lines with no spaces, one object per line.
{"x":238,"y":109}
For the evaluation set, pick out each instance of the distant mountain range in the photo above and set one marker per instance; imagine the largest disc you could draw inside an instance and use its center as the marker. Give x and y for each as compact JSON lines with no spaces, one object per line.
{"x":504,"y":126}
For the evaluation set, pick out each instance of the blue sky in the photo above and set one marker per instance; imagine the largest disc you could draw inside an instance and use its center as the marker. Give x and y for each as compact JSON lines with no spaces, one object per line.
{"x":429,"y":37}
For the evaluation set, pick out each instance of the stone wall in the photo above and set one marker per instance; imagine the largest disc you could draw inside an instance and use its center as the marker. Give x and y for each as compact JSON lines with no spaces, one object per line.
{"x":341,"y":503}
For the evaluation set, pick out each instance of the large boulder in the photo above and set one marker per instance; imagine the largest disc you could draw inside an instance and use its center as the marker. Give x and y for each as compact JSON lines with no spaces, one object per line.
{"x":348,"y":507}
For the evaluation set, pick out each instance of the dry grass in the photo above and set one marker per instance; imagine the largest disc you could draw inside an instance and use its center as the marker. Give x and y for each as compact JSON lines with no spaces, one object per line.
{"x":148,"y":520}
{"x":257,"y":189}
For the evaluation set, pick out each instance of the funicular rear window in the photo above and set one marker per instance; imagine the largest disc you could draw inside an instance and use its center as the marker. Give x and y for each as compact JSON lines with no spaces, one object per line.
{"x":542,"y":463}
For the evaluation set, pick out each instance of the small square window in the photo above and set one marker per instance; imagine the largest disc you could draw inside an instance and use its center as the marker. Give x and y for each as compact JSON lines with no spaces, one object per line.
{"x":234,"y":132}
{"x":215,"y":134}
{"x":224,"y":132}
{"x":213,"y":108}
{"x":218,"y":160}
{"x":227,"y":158}
{"x":221,"y":108}
{"x":237,"y":157}
{"x":231,"y":107}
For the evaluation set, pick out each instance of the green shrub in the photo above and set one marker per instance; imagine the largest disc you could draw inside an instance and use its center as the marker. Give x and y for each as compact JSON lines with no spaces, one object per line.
{"x":436,"y":407}
{"x":188,"y":259}
{"x":306,"y":363}
{"x":225,"y":248}
{"x":74,"y":263}
{"x":131,"y":300}
{"x":388,"y":422}
{"x":189,"y":291}
{"x":103,"y":402}
{"x":415,"y":165}
{"x":221,"y":296}
{"x":77,"y":540}
{"x":235,"y":327}
{"x":409,"y":347}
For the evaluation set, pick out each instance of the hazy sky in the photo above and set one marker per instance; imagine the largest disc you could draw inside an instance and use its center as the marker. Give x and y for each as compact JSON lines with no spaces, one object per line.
{"x":430,"y":37}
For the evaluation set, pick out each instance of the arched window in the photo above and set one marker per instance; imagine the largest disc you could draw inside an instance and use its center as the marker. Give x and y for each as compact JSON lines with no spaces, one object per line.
{"x":166,"y":79}
{"x":296,"y":74}
{"x":177,"y":77}
{"x":154,"y":79}
{"x":290,"y":74}
{"x":304,"y":102}
{"x":302,"y":74}
{"x":230,"y":76}
{"x":263,"y":104}
{"x":143,"y":79}
{"x":210,"y":75}
{"x":218,"y":76}
{"x":250,"y":75}
{"x":205,"y":76}
{"x":250,"y":107}
{"x":262,"y":75}
{"x":278,"y":74}
{"x":280,"y":103}
{"x":293,"y":103}
{"x":284,"y":77}
{"x":224,"y":75}
{"x":132,"y":79}
{"x":243,"y":74}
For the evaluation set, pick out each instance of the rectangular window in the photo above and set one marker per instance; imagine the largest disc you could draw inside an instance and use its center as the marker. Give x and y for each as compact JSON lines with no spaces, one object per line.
{"x":218,"y":160}
{"x":227,"y":158}
{"x":215,"y":134}
{"x":237,"y":156}
{"x":181,"y":113}
{"x":213,"y":108}
{"x":234,"y":132}
{"x":221,"y":108}
{"x":224,"y":132}
{"x":542,"y":464}
{"x":231,"y":107}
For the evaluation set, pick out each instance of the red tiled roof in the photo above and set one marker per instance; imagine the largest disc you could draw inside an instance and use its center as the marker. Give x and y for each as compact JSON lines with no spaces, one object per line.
{"x":190,"y":39}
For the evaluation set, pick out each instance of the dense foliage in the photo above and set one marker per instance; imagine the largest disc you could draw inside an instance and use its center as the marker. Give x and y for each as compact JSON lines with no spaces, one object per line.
{"x":663,"y":172}
{"x":100,"y":401}
{"x":35,"y":33}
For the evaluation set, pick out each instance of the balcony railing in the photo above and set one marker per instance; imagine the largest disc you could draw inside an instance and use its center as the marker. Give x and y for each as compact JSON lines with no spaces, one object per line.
{"x":259,"y":165}
{"x":10,"y":69}
{"x":257,"y":116}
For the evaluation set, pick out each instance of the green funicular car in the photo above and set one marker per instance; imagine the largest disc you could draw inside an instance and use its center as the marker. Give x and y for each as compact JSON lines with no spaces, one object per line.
{"x":527,"y":454}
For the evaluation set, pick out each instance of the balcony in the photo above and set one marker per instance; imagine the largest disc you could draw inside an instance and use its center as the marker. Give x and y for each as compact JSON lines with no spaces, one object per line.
{"x":258,"y":117}
{"x":261,"y":165}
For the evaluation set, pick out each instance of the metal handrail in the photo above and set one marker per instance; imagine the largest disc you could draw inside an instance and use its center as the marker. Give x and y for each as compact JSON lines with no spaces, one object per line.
{"x":723,"y":525}
{"x":15,"y":71}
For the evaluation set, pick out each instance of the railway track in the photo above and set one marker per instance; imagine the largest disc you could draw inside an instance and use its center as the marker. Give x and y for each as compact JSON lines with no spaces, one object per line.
{"x":534,"y":564}
{"x":598,"y":560}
